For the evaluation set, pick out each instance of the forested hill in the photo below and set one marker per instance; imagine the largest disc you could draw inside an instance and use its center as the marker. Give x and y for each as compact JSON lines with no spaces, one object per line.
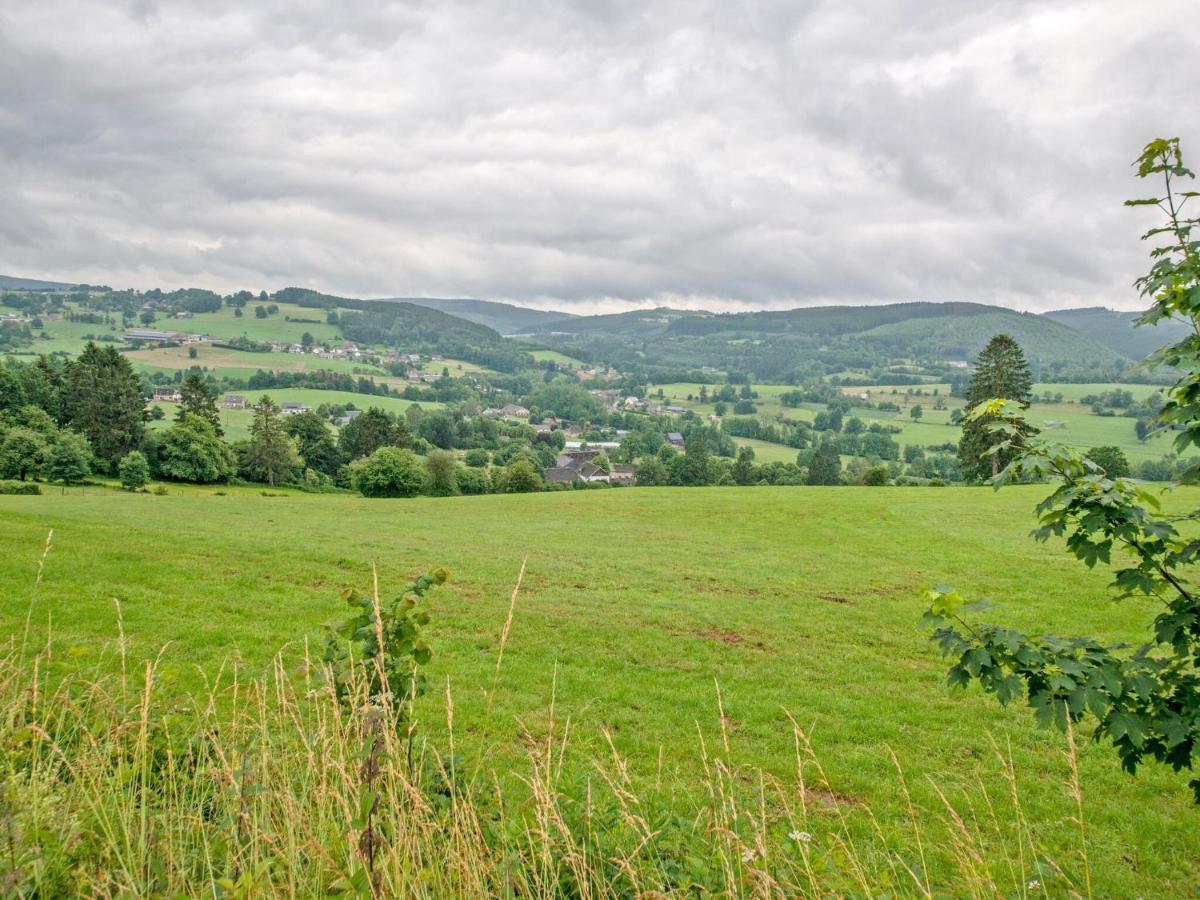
{"x":1119,"y":330}
{"x":400,"y":323}
{"x":502,"y":317}
{"x":901,"y":339}
{"x":11,"y":283}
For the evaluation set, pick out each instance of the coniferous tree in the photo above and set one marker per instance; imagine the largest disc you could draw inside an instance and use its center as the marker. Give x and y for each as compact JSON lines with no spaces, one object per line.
{"x":103,"y":402}
{"x":1000,"y":372}
{"x":198,"y":398}
{"x":271,"y":455}
{"x":826,"y":464}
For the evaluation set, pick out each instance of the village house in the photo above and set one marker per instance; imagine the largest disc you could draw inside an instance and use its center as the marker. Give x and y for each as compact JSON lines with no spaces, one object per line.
{"x":234,"y":401}
{"x":347,"y":417}
{"x":168,"y":394}
{"x":294,"y":409}
{"x":675,"y":439}
{"x":513,"y":411}
{"x":622,"y":474}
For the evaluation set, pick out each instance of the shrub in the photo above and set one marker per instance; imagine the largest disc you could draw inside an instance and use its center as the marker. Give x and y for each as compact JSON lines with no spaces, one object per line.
{"x":477,"y":458}
{"x":876,"y":476}
{"x":389,"y":472}
{"x":1111,"y":459}
{"x":520,"y":477}
{"x":472,"y":481}
{"x":69,"y":460}
{"x":19,"y":487}
{"x":441,"y":467}
{"x":192,"y":451}
{"x":133,"y":470}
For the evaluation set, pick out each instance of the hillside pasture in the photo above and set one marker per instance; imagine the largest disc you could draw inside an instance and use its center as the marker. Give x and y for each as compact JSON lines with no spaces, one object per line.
{"x":788,"y":600}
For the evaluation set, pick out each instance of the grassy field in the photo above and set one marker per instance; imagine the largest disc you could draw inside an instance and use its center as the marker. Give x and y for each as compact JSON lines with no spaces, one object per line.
{"x":635,"y":603}
{"x":224,"y":323}
{"x":240,"y":363}
{"x":236,"y":422}
{"x":1072,"y":422}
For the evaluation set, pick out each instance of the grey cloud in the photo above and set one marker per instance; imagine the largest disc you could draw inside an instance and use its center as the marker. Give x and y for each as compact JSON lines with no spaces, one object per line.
{"x":591,"y":154}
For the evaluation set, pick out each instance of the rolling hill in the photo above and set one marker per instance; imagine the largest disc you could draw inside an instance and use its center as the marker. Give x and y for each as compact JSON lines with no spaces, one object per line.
{"x":504,"y":318}
{"x":1119,"y":330}
{"x":914,"y":338}
{"x":12,"y":283}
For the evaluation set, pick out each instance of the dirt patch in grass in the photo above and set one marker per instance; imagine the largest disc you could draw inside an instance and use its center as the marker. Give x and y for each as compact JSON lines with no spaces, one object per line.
{"x":731,"y":638}
{"x":837,"y":598}
{"x":828,"y":799}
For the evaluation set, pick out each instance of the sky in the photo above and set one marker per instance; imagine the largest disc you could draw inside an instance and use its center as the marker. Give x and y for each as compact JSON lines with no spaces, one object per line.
{"x":596,"y":155}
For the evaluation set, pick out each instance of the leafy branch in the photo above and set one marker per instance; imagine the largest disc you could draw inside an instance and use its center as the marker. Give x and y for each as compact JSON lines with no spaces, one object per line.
{"x":1146,"y":699}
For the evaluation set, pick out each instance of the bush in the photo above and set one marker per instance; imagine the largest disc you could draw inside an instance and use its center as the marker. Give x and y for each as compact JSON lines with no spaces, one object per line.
{"x":1111,"y":459}
{"x":520,"y":477}
{"x":876,"y":476}
{"x":473,"y":481}
{"x":389,"y":472}
{"x":133,"y":470}
{"x":69,"y":460}
{"x":19,"y":487}
{"x":477,"y":458}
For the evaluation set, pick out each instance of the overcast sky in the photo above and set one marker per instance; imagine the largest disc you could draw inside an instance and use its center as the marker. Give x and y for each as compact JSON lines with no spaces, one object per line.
{"x":592,"y":155}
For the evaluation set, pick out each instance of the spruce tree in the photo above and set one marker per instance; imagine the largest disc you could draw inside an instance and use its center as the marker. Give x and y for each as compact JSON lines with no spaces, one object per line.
{"x":271,"y":455}
{"x":199,"y":399}
{"x":103,"y":402}
{"x":1000,"y":372}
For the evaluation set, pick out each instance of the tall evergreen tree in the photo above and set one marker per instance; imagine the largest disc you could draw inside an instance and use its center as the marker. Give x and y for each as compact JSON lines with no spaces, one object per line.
{"x":825,"y":467}
{"x":199,"y":398}
{"x":1000,"y":372}
{"x":103,"y":401}
{"x":271,"y":454}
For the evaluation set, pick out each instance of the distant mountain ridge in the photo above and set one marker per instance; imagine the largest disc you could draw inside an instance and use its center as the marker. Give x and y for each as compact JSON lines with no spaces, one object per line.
{"x":505,"y":318}
{"x":12,"y":283}
{"x":809,"y":341}
{"x":1119,"y":331}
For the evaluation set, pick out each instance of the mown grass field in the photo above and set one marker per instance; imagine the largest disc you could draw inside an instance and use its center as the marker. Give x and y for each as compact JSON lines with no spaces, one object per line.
{"x":236,"y":422}
{"x":226,"y":362}
{"x":635,"y":605}
{"x":1070,"y":421}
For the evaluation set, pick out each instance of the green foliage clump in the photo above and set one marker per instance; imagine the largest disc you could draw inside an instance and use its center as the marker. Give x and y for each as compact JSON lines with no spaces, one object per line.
{"x":192,"y":451}
{"x":69,"y":459}
{"x":381,"y":643}
{"x":389,"y":472}
{"x":1111,"y":460}
{"x":19,"y":487}
{"x":1145,"y":702}
{"x":134,"y":471}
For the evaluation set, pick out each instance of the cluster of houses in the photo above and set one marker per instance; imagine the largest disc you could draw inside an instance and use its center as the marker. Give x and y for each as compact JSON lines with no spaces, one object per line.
{"x":170,"y":394}
{"x":580,"y":466}
{"x":155,"y":336}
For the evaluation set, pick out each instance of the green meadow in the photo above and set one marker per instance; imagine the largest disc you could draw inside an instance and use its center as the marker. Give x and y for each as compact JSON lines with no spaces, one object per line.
{"x":636,"y":608}
{"x":236,"y":422}
{"x":1070,"y":421}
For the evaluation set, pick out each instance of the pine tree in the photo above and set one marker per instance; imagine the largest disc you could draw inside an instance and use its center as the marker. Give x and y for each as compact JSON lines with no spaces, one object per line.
{"x":271,"y":455}
{"x":199,"y":399}
{"x":103,"y":402}
{"x":1000,"y":372}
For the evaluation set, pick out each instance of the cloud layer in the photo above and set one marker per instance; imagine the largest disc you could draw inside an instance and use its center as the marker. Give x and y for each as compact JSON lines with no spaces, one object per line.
{"x":592,"y":155}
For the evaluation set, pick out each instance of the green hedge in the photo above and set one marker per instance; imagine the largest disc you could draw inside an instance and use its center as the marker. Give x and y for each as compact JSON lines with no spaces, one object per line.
{"x":19,"y":487}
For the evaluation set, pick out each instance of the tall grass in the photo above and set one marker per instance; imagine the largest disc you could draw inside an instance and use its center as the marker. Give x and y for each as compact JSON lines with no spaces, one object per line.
{"x":263,"y":786}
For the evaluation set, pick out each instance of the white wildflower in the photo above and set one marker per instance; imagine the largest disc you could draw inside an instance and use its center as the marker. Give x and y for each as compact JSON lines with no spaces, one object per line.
{"x":1035,"y":885}
{"x":802,"y":837}
{"x":748,"y":854}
